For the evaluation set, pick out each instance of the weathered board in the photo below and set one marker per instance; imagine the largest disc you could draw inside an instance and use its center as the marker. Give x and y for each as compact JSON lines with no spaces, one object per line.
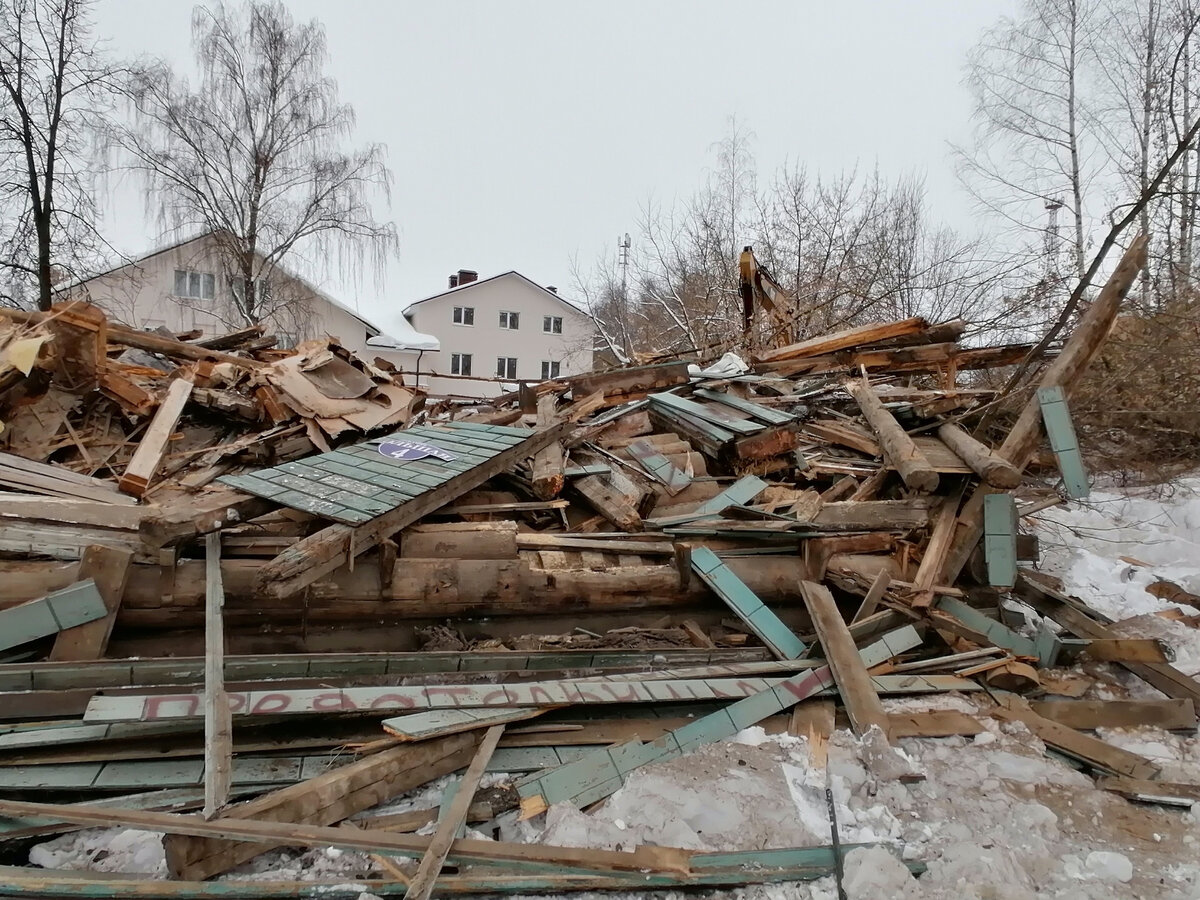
{"x":160,"y":707}
{"x":353,"y":485}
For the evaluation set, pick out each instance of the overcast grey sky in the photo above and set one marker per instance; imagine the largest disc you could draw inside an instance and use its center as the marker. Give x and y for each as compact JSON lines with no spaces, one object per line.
{"x":523,"y":132}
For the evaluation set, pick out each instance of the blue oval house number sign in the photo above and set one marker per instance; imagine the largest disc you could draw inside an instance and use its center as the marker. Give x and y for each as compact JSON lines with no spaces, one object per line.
{"x":402,"y":450}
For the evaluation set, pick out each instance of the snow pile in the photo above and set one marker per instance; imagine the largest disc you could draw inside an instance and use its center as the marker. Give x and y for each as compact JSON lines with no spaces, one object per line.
{"x":104,"y":850}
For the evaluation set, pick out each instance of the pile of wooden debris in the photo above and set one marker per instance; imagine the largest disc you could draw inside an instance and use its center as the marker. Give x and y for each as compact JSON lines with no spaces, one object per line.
{"x":642,"y":560}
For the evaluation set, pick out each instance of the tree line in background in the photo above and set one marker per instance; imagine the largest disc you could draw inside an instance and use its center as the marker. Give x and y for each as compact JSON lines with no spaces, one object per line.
{"x":1084,"y":112}
{"x":254,"y":151}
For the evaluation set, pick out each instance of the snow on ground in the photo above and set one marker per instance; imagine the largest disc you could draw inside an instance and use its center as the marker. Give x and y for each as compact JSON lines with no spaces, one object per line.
{"x":994,"y":817}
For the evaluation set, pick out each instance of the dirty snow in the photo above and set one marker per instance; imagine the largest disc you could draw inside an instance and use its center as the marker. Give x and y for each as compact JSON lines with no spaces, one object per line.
{"x":994,"y":817}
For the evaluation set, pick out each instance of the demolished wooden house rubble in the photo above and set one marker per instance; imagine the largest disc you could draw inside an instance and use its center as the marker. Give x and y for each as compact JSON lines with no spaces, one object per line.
{"x":277,"y":588}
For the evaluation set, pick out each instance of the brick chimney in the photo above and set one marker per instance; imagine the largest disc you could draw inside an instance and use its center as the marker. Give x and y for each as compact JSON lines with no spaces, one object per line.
{"x":466,"y":276}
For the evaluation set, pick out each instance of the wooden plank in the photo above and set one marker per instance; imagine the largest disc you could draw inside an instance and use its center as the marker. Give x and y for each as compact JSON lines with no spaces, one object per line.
{"x":601,"y":772}
{"x":323,"y":552}
{"x":854,"y":684}
{"x":1087,"y":715}
{"x":1138,"y":650}
{"x":1065,"y":445}
{"x":108,"y":567}
{"x":441,"y":722}
{"x":421,"y":886}
{"x":715,"y":415}
{"x":999,"y":540}
{"x":320,"y":801}
{"x":874,"y":594}
{"x":548,"y":478}
{"x":56,"y":612}
{"x":649,"y":858}
{"x":1170,"y":792}
{"x":1094,"y":752}
{"x":935,"y":552}
{"x":218,"y":719}
{"x":933,"y":723}
{"x":609,"y":502}
{"x":140,"y":471}
{"x":631,"y":383}
{"x":898,"y":448}
{"x":743,"y":601}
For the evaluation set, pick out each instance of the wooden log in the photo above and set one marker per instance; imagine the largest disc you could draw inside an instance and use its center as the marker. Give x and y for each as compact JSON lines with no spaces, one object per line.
{"x":460,"y":540}
{"x":421,"y":886}
{"x":149,"y":454}
{"x":841,"y":340}
{"x":630,"y":383}
{"x":109,"y":568}
{"x":992,"y":468}
{"x":328,"y":798}
{"x":898,"y":448}
{"x":853,"y":682}
{"x":1065,"y":371}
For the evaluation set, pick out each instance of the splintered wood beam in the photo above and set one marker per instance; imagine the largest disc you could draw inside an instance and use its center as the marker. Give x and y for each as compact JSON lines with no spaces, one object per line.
{"x":853,"y":681}
{"x":609,"y":502}
{"x":898,"y":448}
{"x":315,"y":556}
{"x":421,"y":886}
{"x":548,"y":477}
{"x":218,"y":720}
{"x":108,"y":567}
{"x":138,"y":474}
{"x":863,"y":335}
{"x":935,"y":552}
{"x":1065,"y":371}
{"x":988,"y":465}
{"x":320,"y":801}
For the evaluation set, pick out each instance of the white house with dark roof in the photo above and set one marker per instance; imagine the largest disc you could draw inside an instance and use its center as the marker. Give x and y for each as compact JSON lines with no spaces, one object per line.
{"x":507,"y":328}
{"x":182,"y":287}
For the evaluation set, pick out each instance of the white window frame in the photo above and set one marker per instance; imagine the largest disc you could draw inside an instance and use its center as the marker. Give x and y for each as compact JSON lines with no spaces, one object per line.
{"x":551,"y":369}
{"x":552,"y":324}
{"x":457,"y":361}
{"x":509,"y":320}
{"x":506,"y":367}
{"x":462,"y":313}
{"x":205,"y":282}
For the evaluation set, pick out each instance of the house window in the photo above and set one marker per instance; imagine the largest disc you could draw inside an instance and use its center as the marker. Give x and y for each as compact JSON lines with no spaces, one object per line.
{"x":506,"y":367}
{"x":549,"y":370}
{"x":195,"y":285}
{"x":464,"y":315}
{"x":460,"y":363}
{"x":509,"y":320}
{"x":552,"y":324}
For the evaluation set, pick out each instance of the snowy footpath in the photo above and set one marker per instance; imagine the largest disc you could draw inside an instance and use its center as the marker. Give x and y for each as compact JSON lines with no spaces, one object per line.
{"x":994,"y":818}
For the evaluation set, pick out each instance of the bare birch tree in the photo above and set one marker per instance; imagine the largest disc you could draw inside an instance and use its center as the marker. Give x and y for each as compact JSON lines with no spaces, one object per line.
{"x":56,"y":88}
{"x":254,"y":154}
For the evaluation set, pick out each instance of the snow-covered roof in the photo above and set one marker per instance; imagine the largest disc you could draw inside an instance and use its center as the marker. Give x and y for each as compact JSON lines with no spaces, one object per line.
{"x":471,"y":284}
{"x":404,"y":337}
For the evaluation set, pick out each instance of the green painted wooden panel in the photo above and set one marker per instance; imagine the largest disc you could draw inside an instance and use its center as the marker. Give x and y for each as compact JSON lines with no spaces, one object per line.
{"x":743,"y":601}
{"x":1061,"y":432}
{"x":1044,"y":648}
{"x":659,"y":466}
{"x":599,"y":773}
{"x":355,"y":485}
{"x":762,"y":413}
{"x":741,"y":491}
{"x":1000,"y":539}
{"x":73,"y":605}
{"x":718,"y":416}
